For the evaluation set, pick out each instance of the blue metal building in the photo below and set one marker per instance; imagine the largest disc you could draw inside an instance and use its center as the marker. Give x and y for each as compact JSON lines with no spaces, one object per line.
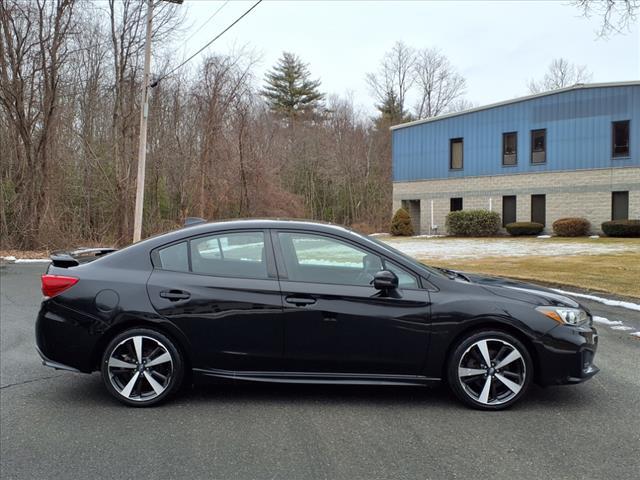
{"x":577,"y":150}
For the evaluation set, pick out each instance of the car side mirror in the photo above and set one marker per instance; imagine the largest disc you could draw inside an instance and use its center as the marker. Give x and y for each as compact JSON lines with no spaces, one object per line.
{"x":385,"y":280}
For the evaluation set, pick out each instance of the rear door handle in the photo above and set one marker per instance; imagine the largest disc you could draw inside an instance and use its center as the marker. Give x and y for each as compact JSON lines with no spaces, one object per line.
{"x":300,"y":301}
{"x":175,"y":295}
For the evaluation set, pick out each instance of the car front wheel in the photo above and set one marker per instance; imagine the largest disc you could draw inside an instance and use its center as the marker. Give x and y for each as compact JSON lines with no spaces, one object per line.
{"x":141,"y":367}
{"x":490,"y":370}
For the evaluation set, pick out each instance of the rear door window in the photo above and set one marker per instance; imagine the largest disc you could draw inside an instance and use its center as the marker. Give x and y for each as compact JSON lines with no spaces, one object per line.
{"x":240,"y":255}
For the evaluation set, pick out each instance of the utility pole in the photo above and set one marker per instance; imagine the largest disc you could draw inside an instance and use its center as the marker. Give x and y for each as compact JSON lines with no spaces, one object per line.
{"x":144,"y":113}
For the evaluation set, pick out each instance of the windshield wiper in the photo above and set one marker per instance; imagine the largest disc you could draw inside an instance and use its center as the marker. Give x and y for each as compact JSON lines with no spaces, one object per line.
{"x":453,"y":274}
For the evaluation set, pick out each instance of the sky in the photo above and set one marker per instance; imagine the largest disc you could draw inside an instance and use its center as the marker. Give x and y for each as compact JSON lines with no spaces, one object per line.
{"x":498,"y":46}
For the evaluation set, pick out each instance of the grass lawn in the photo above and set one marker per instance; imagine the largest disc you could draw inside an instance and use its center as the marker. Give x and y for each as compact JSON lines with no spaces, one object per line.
{"x":616,"y":272}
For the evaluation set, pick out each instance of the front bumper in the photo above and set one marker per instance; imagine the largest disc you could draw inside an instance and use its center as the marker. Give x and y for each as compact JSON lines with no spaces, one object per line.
{"x":587,"y":373}
{"x":566,"y":355}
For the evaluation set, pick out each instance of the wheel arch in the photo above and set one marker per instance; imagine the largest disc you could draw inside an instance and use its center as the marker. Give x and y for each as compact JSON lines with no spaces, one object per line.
{"x":170,"y":331}
{"x":499,"y":325}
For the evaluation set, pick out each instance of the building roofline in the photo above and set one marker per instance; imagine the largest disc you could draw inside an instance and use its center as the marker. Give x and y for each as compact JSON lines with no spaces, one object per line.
{"x":577,"y":86}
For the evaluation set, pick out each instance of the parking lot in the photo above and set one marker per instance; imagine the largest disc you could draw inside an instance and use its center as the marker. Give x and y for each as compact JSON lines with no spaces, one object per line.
{"x":62,"y":425}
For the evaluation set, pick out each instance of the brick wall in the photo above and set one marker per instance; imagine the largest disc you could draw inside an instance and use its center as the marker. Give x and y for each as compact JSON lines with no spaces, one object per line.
{"x":581,"y":193}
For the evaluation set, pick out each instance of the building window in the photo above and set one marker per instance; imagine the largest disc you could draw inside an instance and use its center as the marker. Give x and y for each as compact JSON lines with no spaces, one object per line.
{"x":538,"y":209}
{"x":620,"y":139}
{"x":456,"y":204}
{"x":619,"y":205}
{"x":455,"y":154}
{"x":508,"y":209}
{"x":510,"y":148}
{"x":539,"y":146}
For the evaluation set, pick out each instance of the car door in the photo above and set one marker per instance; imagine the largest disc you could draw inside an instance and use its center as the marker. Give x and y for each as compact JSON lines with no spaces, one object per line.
{"x":221,"y":290}
{"x":335,"y":321}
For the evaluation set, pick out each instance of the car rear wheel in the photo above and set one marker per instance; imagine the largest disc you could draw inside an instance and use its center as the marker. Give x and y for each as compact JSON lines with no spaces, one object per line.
{"x":490,"y":370}
{"x":142,"y":367}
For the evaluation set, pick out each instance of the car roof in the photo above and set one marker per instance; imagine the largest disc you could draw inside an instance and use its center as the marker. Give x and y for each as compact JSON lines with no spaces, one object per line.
{"x":259,"y":223}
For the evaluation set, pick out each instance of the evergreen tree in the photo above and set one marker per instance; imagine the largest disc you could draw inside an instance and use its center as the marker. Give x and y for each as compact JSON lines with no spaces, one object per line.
{"x":401,"y":223}
{"x":391,"y":110}
{"x":290,"y":91}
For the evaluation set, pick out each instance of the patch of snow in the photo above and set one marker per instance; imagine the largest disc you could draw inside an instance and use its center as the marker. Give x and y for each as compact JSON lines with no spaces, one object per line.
{"x":12,"y":259}
{"x":606,"y":321}
{"x":606,"y":301}
{"x":594,"y":236}
{"x":543,"y":236}
{"x":428,"y":236}
{"x":621,"y":327}
{"x":460,"y":248}
{"x":380,"y":234}
{"x":635,"y":334}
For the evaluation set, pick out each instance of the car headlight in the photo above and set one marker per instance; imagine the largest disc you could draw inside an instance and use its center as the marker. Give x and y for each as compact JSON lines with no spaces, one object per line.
{"x":570,"y":316}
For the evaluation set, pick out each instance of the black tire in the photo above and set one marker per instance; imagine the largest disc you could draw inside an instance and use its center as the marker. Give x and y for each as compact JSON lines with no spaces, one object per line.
{"x":135,"y":383}
{"x":493,"y":388}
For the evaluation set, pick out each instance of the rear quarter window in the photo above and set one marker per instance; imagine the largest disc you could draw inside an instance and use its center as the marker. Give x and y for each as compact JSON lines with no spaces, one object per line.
{"x":174,"y":257}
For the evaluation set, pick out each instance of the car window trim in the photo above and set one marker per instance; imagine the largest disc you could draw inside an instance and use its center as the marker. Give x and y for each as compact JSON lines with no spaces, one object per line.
{"x":282,"y":269}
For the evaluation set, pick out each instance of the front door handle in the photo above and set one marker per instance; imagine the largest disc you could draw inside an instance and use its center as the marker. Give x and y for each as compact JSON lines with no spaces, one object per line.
{"x":300,"y":301}
{"x":175,"y":295}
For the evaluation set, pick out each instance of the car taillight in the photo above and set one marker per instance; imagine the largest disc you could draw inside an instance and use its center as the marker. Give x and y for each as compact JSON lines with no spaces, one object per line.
{"x":53,"y":285}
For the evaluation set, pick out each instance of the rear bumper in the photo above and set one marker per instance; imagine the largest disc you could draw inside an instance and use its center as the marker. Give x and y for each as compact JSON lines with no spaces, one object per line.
{"x":64,"y":339}
{"x":566,"y":355}
{"x":47,"y":362}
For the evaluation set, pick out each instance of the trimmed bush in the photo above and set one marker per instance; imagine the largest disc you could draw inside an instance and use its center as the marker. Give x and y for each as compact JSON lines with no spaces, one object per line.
{"x":473,"y":223}
{"x":524,"y":228}
{"x":571,"y":227}
{"x":622,"y":228}
{"x":401,"y":224}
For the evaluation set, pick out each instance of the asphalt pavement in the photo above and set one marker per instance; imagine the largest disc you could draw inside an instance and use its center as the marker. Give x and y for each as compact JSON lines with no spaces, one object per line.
{"x":63,"y":425}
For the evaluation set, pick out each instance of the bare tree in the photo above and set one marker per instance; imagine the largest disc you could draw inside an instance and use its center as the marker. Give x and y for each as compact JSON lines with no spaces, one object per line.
{"x":560,"y":74}
{"x":395,"y":76}
{"x":69,"y":83}
{"x":34,"y":45}
{"x":438,"y":81}
{"x":460,"y":105}
{"x":617,"y":15}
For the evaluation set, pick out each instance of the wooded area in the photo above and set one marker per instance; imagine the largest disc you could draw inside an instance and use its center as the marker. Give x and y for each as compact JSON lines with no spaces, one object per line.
{"x":70,"y":80}
{"x":221,"y":142}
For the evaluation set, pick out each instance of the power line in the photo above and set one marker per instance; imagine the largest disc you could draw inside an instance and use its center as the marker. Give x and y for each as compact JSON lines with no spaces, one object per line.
{"x":206,"y":21}
{"x":207,"y":44}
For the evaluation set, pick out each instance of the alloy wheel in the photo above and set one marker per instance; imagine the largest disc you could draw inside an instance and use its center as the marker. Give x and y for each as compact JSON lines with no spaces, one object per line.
{"x":140,"y":368}
{"x":492,"y":371}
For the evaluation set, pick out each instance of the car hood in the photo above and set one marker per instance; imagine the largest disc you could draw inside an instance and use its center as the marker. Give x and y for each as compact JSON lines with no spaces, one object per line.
{"x":522,"y":291}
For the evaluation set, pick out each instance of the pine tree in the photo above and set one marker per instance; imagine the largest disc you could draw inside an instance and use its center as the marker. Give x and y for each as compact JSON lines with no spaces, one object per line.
{"x":289,"y":91}
{"x":390,"y":110}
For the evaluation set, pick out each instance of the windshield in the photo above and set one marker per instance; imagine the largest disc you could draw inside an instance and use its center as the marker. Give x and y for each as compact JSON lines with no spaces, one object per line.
{"x":408,"y":258}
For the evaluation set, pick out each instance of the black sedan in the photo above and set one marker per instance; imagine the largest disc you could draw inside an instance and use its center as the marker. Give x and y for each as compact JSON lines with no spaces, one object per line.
{"x":290,"y":301}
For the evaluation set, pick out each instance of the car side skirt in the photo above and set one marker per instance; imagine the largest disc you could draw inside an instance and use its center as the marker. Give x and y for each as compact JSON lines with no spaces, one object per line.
{"x":318,"y":377}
